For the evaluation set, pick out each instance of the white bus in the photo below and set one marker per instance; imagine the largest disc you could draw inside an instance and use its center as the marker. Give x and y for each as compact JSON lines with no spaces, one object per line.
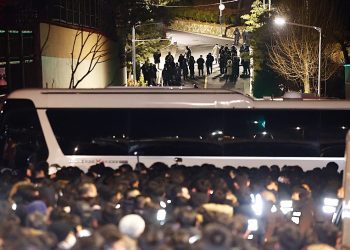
{"x":191,"y":126}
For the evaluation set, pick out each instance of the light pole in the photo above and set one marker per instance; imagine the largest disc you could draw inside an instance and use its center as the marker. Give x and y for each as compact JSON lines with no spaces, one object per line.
{"x":281,"y":21}
{"x":134,"y":54}
{"x":221,"y":8}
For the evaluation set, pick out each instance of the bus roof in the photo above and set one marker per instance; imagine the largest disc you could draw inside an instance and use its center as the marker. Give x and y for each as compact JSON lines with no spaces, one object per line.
{"x":171,"y":97}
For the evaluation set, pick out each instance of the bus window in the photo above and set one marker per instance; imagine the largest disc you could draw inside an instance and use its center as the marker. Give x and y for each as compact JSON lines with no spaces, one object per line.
{"x":335,"y":124}
{"x":90,"y":131}
{"x":21,"y":134}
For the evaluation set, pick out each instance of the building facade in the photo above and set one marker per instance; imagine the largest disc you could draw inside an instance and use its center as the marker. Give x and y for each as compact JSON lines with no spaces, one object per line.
{"x":58,"y":44}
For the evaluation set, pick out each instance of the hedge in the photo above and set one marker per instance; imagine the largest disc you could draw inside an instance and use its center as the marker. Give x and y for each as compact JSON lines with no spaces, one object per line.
{"x":204,"y":16}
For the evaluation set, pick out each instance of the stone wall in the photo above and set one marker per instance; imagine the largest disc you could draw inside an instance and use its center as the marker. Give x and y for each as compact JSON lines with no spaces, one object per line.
{"x":202,"y":28}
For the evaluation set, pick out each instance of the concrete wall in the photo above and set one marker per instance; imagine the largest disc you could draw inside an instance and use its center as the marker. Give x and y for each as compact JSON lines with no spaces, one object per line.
{"x":203,"y":28}
{"x":57,"y":46}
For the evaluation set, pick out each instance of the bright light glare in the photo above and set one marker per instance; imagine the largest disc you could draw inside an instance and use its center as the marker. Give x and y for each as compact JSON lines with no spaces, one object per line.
{"x":14,"y":206}
{"x":273,"y":209}
{"x":67,"y":209}
{"x":280,"y":21}
{"x":331,"y":202}
{"x":257,"y":205}
{"x":297,"y":214}
{"x":84,"y":233}
{"x":286,"y":203}
{"x":161,"y":215}
{"x":286,"y":210}
{"x":250,"y":237}
{"x":193,"y":239}
{"x":117,"y":206}
{"x":162,"y":204}
{"x":286,"y":206}
{"x":329,"y":209}
{"x":298,"y":128}
{"x":296,"y":220}
{"x":221,"y":7}
{"x":218,"y":132}
{"x":346,"y":210}
{"x":253,"y":225}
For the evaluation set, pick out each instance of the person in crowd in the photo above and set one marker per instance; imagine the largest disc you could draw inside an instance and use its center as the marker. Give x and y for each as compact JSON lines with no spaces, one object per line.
{"x":191,"y":63}
{"x":169,"y":58}
{"x":146,"y":72}
{"x":200,"y":65}
{"x":177,"y":74}
{"x":233,"y":50}
{"x":245,"y":36}
{"x":222,"y":62}
{"x":216,"y":52}
{"x":162,"y":207}
{"x":229,"y":71}
{"x":236,"y":36}
{"x":185,"y":70}
{"x":245,"y":59}
{"x":181,"y":61}
{"x":209,"y":63}
{"x":188,"y":52}
{"x":235,"y":67}
{"x":166,"y":75}
{"x":156,"y":56}
{"x":153,"y":75}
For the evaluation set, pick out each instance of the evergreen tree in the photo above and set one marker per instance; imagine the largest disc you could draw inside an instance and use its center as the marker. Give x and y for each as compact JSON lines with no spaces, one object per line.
{"x":265,"y":82}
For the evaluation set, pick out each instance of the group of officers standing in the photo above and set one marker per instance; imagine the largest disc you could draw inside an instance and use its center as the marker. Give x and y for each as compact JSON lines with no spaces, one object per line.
{"x":174,"y":73}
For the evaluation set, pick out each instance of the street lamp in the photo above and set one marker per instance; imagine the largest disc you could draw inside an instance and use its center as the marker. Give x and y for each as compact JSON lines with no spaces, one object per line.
{"x":221,"y":8}
{"x":133,"y":40}
{"x":281,"y":21}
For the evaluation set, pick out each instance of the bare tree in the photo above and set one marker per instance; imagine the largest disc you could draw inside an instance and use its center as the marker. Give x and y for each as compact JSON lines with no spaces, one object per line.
{"x":87,"y":47}
{"x":294,"y":52}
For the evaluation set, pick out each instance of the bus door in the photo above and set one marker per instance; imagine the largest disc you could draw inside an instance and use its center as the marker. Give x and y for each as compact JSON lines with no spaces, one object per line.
{"x":346,"y":201}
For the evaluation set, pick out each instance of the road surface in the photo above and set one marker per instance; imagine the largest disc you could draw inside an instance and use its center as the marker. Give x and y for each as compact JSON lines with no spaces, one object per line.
{"x":202,"y":45}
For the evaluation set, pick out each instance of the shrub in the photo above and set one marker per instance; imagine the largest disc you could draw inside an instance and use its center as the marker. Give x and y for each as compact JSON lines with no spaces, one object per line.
{"x":210,"y":16}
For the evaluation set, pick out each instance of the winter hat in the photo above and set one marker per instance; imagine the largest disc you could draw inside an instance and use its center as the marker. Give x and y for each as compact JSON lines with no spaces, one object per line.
{"x":36,"y":206}
{"x":132,"y":225}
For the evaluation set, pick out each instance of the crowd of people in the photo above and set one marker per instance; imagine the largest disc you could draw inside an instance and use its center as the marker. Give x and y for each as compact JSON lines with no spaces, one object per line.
{"x":162,"y":207}
{"x":177,"y":70}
